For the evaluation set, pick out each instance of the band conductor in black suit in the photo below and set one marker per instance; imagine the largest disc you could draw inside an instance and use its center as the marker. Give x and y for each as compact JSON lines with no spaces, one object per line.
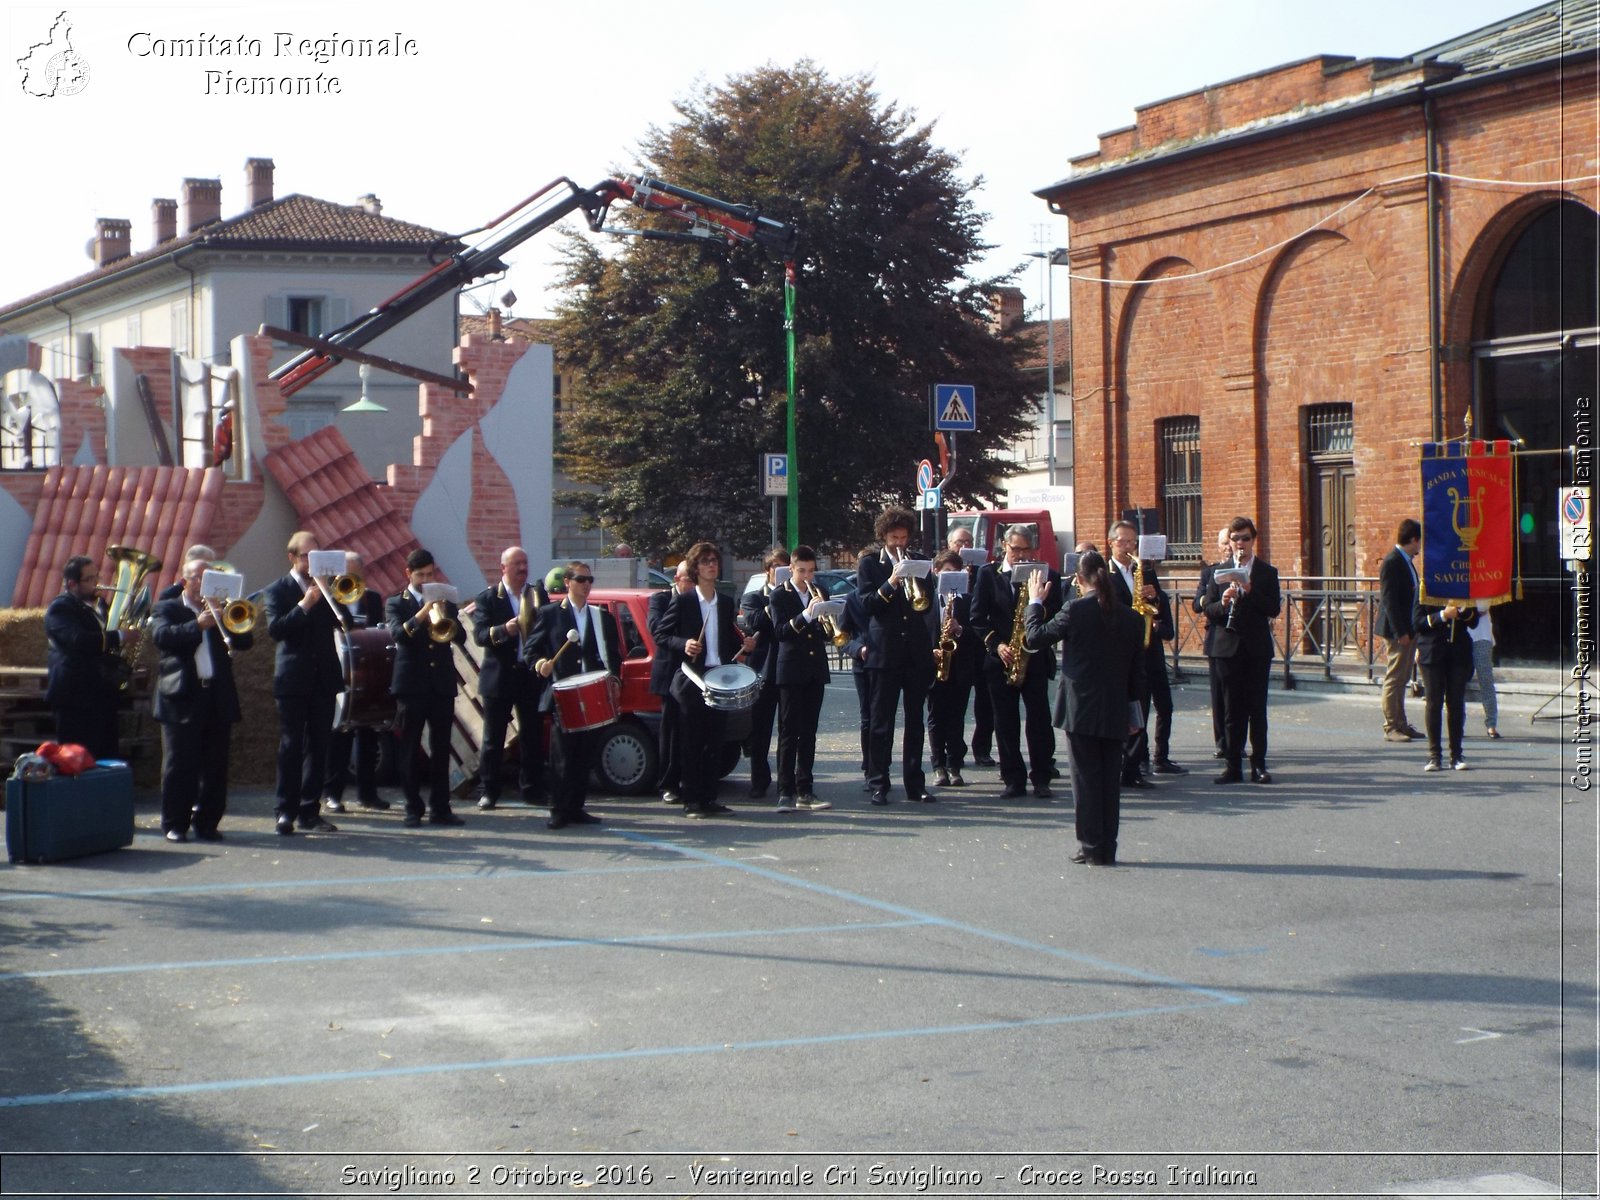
{"x":197,"y":703}
{"x":424,"y":688}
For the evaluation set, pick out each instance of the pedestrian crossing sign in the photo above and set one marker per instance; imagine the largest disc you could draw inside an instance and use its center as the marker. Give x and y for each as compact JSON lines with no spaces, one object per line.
{"x":955,"y":407}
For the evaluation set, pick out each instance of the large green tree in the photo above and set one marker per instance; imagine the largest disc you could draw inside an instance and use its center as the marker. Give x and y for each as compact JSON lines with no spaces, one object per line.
{"x":679,"y":349}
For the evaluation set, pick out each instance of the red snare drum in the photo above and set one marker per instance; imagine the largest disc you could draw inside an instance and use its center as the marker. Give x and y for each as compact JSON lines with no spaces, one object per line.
{"x":586,"y":701}
{"x":367,"y":657}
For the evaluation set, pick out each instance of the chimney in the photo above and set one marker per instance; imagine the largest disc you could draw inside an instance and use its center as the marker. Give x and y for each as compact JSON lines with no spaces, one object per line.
{"x":164,"y":214}
{"x":370,"y":205}
{"x":202,"y":203}
{"x":257,"y":182}
{"x":112,"y":239}
{"x":1005,"y":308}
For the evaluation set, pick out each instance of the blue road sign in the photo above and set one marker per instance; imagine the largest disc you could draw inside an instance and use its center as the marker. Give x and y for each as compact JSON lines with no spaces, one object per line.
{"x":955,"y":407}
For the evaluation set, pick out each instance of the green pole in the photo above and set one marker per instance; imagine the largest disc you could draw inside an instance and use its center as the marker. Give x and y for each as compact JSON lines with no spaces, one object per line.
{"x":791,"y":449}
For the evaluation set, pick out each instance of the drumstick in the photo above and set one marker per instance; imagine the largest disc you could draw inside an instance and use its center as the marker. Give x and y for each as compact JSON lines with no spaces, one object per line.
{"x":572,"y":640}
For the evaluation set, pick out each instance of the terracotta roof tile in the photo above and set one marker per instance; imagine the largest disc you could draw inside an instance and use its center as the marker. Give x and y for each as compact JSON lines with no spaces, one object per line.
{"x":82,"y":510}
{"x":335,"y":498}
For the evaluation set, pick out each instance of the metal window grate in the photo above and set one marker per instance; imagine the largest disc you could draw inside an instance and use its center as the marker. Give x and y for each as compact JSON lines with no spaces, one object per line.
{"x":1180,"y":485}
{"x":1330,"y":429}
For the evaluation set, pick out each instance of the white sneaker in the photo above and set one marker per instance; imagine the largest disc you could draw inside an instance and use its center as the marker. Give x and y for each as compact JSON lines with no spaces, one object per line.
{"x":814,"y":804}
{"x":1433,"y":765}
{"x":785,"y":804}
{"x":1460,"y":764}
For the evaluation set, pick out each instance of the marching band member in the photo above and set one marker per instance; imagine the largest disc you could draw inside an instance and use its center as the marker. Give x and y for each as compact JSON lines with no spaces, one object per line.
{"x":901,"y":664}
{"x":306,"y":678}
{"x":1102,"y":658}
{"x":947,"y":699}
{"x":859,"y":651}
{"x":802,"y":678}
{"x":81,"y":684}
{"x":1444,"y":650}
{"x":424,"y":688}
{"x":996,"y":604}
{"x":198,"y":705}
{"x":365,"y":613}
{"x":1214,"y":677}
{"x":596,"y":647}
{"x":982,"y":710}
{"x":755,"y":620}
{"x":1244,"y":648}
{"x":669,"y":752}
{"x":700,"y":630}
{"x":503,"y":617}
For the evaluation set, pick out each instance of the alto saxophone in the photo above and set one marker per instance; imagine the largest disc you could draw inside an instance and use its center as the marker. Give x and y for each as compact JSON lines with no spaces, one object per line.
{"x":1143,"y":607}
{"x":944,"y":654}
{"x":1018,"y":670}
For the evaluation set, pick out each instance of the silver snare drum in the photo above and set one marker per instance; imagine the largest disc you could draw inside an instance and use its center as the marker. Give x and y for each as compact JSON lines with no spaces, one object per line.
{"x":731,"y":688}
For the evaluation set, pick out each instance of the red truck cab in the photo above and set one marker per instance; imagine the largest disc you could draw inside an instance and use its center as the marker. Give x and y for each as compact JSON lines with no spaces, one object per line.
{"x":989,"y":527}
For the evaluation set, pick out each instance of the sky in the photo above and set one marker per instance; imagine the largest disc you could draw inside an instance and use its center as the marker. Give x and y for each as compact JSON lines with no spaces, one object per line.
{"x":487,"y":103}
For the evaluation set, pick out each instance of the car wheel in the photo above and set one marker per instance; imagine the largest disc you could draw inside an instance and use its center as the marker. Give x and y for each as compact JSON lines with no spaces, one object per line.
{"x":627,"y":760}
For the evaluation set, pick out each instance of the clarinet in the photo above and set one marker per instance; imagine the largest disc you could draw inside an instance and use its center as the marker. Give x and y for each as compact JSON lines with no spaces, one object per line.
{"x":1233,"y":605}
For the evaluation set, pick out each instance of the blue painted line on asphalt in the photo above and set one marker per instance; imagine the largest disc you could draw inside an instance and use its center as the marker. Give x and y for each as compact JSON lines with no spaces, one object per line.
{"x":549,"y":1060}
{"x":1210,"y":952}
{"x":641,"y":939}
{"x":901,"y":910}
{"x":346,"y":882}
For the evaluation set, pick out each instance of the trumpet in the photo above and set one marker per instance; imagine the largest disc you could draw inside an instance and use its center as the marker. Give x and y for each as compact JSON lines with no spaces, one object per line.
{"x":916,"y":590}
{"x":441,"y":628}
{"x":836,"y":635}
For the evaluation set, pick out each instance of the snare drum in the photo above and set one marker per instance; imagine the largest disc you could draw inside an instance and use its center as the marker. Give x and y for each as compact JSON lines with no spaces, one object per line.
{"x":585,"y":701}
{"x":367,"y":658}
{"x":732,"y":687}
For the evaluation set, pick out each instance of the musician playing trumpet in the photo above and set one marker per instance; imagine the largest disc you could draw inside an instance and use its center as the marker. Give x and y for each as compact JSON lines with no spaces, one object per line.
{"x":801,"y":670}
{"x":197,"y":704}
{"x":424,"y":688}
{"x":1011,"y":674}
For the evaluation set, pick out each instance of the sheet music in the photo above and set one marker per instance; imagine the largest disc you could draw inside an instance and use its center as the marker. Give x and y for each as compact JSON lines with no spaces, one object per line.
{"x":952,"y":583}
{"x":440,"y":591}
{"x":221,"y":586}
{"x":326,"y":562}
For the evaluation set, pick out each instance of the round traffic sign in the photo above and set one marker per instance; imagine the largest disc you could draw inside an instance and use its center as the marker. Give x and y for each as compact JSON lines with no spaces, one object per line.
{"x":924,"y":475}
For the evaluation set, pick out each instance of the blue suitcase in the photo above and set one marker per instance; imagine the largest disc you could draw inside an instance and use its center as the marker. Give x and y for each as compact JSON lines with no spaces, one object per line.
{"x":68,"y":816}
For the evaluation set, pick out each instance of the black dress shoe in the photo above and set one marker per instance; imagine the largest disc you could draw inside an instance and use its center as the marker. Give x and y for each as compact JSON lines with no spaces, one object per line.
{"x":1105,"y":860}
{"x":333,"y":806}
{"x":956,"y":780}
{"x":880,"y":798}
{"x":714,"y":807}
{"x":1137,"y":782}
{"x":1229,"y":777}
{"x":1166,"y":766}
{"x":918,"y":797}
{"x":556,"y":823}
{"x":487,"y":802}
{"x":1042,"y":791}
{"x":1260,"y":775}
{"x":412,"y":820}
{"x":176,"y":835}
{"x":584,"y":818}
{"x":285,"y":826}
{"x":208,"y":835}
{"x":1084,"y":858}
{"x":758,"y":790}
{"x":318,"y":825}
{"x":376,"y":803}
{"x":444,"y":818}
{"x":695,"y":813}
{"x":1220,"y":754}
{"x":1013,"y":791}
{"x":983,"y":760}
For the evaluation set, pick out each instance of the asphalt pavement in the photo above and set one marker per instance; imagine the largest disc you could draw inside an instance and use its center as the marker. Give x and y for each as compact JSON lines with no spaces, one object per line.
{"x":1359,"y":980}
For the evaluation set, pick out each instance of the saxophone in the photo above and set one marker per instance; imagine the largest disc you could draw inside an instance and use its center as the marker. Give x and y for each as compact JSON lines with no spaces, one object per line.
{"x":944,"y":654}
{"x":1018,"y":670}
{"x":1143,"y":607}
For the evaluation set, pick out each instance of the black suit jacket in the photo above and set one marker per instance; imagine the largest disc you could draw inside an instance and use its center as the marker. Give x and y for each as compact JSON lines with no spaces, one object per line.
{"x":83,"y":655}
{"x":683,"y":623}
{"x":308,"y":660}
{"x":179,"y":698}
{"x":900,"y":636}
{"x":504,"y":674}
{"x":994,"y":612}
{"x":1442,"y":642}
{"x":1251,"y":635}
{"x":1102,"y":664}
{"x":1397,"y":597}
{"x":757,"y":621}
{"x":1199,"y":605}
{"x":663,"y":663}
{"x":422,"y":666}
{"x":556,"y":621}
{"x":802,"y":652}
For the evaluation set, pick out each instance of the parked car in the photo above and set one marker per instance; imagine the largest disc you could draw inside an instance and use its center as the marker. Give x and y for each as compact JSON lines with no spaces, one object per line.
{"x":836,"y":583}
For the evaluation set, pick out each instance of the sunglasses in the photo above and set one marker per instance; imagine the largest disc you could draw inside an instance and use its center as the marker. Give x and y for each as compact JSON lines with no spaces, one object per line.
{"x":580,"y":578}
{"x":1241,"y":537}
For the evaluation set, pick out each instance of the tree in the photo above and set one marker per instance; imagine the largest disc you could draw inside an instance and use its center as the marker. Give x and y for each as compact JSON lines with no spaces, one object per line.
{"x":679,"y":350}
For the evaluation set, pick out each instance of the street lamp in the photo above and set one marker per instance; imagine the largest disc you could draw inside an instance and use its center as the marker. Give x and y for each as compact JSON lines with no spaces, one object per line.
{"x":1052,"y":258}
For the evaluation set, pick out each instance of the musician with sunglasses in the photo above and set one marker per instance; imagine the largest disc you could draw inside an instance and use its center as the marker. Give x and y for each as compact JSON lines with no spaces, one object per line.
{"x":503,"y":616}
{"x":1244,"y":612}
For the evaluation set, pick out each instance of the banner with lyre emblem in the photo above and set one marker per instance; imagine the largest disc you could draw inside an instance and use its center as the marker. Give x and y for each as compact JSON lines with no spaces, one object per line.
{"x":1469,"y":534}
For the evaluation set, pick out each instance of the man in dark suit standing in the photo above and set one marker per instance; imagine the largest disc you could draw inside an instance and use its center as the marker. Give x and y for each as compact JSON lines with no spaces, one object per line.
{"x":1102,"y":664}
{"x":1123,"y":569}
{"x":424,"y":688}
{"x":755,"y":620}
{"x":365,"y":612}
{"x":801,"y":671}
{"x":503,"y":617}
{"x":589,"y":635}
{"x":859,"y":650}
{"x":901,"y":665}
{"x":700,"y":630}
{"x":1245,"y":612}
{"x":663,"y":666}
{"x":1214,"y":677}
{"x":198,"y":705}
{"x":306,"y":678}
{"x":994,"y":612}
{"x":82,"y":681}
{"x":1397,"y":597}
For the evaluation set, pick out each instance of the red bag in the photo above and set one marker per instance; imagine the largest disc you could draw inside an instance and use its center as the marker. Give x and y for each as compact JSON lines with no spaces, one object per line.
{"x":68,"y":758}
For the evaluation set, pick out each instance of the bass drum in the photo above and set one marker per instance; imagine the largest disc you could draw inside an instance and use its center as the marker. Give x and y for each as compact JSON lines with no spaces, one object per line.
{"x":367,"y":658}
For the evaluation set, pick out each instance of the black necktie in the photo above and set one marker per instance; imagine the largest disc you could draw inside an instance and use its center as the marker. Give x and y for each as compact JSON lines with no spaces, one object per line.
{"x":591,"y":650}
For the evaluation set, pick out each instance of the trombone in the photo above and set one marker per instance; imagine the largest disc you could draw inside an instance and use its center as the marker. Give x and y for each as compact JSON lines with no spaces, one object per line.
{"x":235,"y":616}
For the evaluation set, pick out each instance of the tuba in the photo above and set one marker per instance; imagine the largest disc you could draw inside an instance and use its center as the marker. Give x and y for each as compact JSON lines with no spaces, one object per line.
{"x":130,"y":601}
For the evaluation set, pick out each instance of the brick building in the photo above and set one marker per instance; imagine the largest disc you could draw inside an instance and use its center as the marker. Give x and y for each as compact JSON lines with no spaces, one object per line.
{"x":1282,"y":282}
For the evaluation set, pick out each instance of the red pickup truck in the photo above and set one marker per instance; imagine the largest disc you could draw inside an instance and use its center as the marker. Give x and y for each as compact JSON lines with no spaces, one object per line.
{"x":628,"y":760}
